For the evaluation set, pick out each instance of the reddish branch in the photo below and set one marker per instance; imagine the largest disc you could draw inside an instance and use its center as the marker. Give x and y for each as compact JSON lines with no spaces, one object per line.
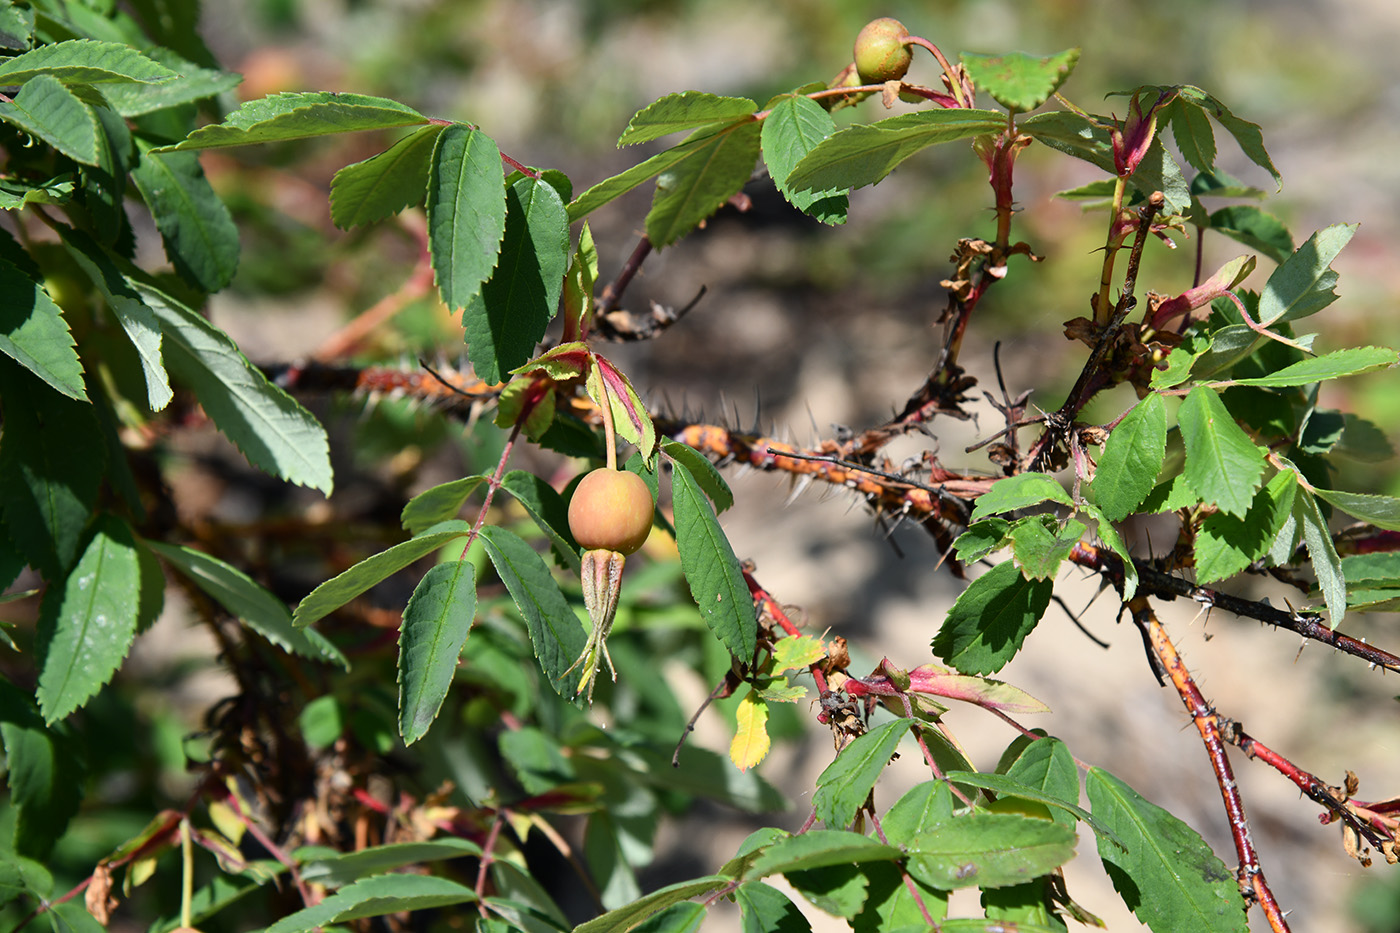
{"x":1251,"y":875}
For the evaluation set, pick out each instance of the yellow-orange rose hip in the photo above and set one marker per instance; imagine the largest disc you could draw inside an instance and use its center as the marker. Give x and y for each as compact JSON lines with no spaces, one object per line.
{"x":611,"y":510}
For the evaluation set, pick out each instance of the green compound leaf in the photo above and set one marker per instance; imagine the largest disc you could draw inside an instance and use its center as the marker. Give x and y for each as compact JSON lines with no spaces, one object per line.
{"x":51,"y":465}
{"x":85,"y":632}
{"x":988,"y":850}
{"x":765,"y":909}
{"x":555,"y":630}
{"x":1255,"y":228}
{"x":1168,"y":876}
{"x":345,"y":586}
{"x":438,"y":504}
{"x":1248,"y":135}
{"x":864,"y":154}
{"x":691,"y":189}
{"x":793,"y":128}
{"x":1131,"y":459}
{"x":710,"y":567}
{"x":383,"y":185}
{"x":44,"y":775}
{"x":435,"y":627}
{"x":687,"y":110}
{"x":284,"y":117}
{"x":375,"y":897}
{"x":192,"y":83}
{"x":466,"y":212}
{"x":1304,"y":284}
{"x":1226,"y":544}
{"x":249,"y":602}
{"x":1381,"y":511}
{"x":84,"y":61}
{"x":703,"y":471}
{"x":618,"y":185}
{"x":1017,"y":81}
{"x":506,"y":319}
{"x":198,"y":232}
{"x":1019,"y":492}
{"x":1349,"y":362}
{"x":990,"y":620}
{"x":843,"y":787}
{"x":1222,"y":464}
{"x":548,"y":509}
{"x":34,"y":334}
{"x":1193,"y":134}
{"x":274,"y":432}
{"x":631,"y":915}
{"x":819,"y":848}
{"x":46,"y":109}
{"x":339,"y":870}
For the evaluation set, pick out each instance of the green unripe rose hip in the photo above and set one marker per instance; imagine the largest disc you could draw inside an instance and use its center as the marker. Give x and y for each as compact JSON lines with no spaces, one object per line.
{"x":881,"y":52}
{"x":611,"y":510}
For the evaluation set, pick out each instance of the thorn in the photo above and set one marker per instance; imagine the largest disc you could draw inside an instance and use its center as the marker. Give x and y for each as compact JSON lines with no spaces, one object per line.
{"x":799,"y":485}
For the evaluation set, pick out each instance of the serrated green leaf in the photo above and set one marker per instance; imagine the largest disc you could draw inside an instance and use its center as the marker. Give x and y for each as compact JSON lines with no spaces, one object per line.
{"x":198,"y":232}
{"x":629,"y":916}
{"x":1327,"y":566}
{"x":818,"y":848}
{"x":890,"y":907}
{"x":843,"y":787}
{"x":436,"y":623}
{"x":1168,"y":876}
{"x":922,"y":806}
{"x":981,"y":538}
{"x":1363,"y":441}
{"x":1008,"y":785}
{"x":684,"y":111}
{"x":85,"y":635}
{"x":1087,"y":137}
{"x":1017,"y":81}
{"x":191,"y":83}
{"x":990,"y":620}
{"x":46,"y":109}
{"x":138,"y":321}
{"x":300,"y":115}
{"x":1110,"y":537}
{"x":618,"y":185}
{"x":1304,"y":284}
{"x":988,"y":850}
{"x":703,"y":471}
{"x":1176,"y":368}
{"x":1381,"y":511}
{"x":438,"y":504}
{"x":1378,"y":570}
{"x":1349,"y":362}
{"x":694,"y":187}
{"x":838,"y":890}
{"x":1192,"y":132}
{"x":51,"y":465}
{"x":1047,"y":766}
{"x":84,"y":61}
{"x":1222,"y":464}
{"x":44,"y":775}
{"x":1039,"y":545}
{"x":1131,"y":459}
{"x":1019,"y":492}
{"x":793,"y":128}
{"x":1247,"y":135}
{"x":548,"y":509}
{"x":104,"y":184}
{"x":345,"y":586}
{"x":507,"y":318}
{"x":272,"y":430}
{"x":383,"y":185}
{"x":338,"y":870}
{"x":249,"y":602}
{"x":1251,"y":226}
{"x":16,"y":194}
{"x":34,"y":334}
{"x":375,"y":897}
{"x":711,"y":569}
{"x":466,"y":212}
{"x":1226,"y":544}
{"x":16,"y":27}
{"x":555,"y":631}
{"x":765,"y":909}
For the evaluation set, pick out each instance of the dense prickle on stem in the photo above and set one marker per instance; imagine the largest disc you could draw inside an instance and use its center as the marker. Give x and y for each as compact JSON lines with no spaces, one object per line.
{"x":882,"y":51}
{"x":611,"y":510}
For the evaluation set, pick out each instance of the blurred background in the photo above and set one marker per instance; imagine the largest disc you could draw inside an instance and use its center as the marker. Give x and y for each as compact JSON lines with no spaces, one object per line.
{"x":803,"y":328}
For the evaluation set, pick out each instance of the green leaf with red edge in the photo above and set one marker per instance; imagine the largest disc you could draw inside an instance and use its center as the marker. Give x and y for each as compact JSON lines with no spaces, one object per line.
{"x":87,"y":625}
{"x":844,"y":786}
{"x":1131,"y":459}
{"x":506,"y":319}
{"x":608,"y":385}
{"x":1222,"y":464}
{"x":691,"y":189}
{"x":686,"y":110}
{"x":793,"y":128}
{"x":436,"y":623}
{"x":566,"y":361}
{"x":300,"y":115}
{"x":1017,"y":81}
{"x":988,"y":850}
{"x":796,"y":652}
{"x":385,"y":184}
{"x":1226,"y":544}
{"x":578,"y":282}
{"x":864,"y":154}
{"x":466,"y":203}
{"x":992,"y":694}
{"x":990,"y":620}
{"x":711,"y":569}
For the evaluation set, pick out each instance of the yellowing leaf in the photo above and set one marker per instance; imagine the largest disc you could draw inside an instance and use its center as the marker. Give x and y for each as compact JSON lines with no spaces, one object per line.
{"x":796,"y":652}
{"x":751,"y":742}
